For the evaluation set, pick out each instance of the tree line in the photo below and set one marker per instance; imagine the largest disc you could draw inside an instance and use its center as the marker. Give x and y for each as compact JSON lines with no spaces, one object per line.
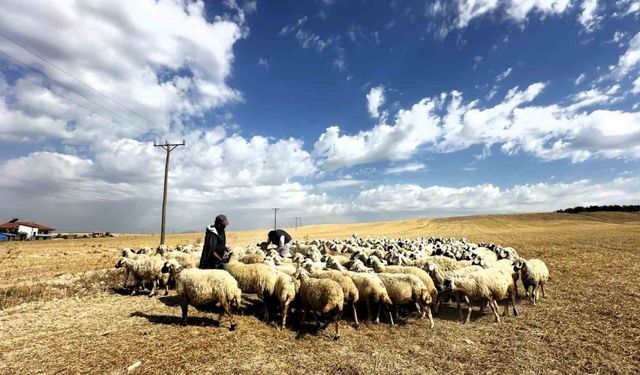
{"x":615,"y":208}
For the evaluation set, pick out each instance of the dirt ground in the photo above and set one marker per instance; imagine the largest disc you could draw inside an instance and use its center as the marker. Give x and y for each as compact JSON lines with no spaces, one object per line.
{"x":61,"y":310}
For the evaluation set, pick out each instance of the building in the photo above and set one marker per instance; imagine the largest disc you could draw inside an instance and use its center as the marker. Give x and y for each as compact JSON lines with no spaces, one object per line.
{"x":26,"y":229}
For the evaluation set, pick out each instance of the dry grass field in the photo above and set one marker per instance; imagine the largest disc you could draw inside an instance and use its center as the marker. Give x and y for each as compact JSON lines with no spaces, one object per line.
{"x":60,"y":310}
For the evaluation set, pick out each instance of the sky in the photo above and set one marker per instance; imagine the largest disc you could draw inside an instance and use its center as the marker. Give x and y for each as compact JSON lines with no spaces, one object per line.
{"x":335,"y":111}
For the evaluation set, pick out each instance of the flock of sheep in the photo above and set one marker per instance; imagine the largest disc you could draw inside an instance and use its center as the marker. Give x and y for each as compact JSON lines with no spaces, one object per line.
{"x":324,"y":276}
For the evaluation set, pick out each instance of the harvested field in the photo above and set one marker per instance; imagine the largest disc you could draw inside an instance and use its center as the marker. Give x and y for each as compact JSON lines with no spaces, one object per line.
{"x":61,"y":310}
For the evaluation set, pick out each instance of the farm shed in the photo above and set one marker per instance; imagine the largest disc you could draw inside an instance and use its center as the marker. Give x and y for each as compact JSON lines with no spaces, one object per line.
{"x":27,"y":229}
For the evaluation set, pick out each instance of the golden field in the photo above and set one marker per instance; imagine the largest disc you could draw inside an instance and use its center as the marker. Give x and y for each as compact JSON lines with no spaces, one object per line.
{"x":61,"y":310}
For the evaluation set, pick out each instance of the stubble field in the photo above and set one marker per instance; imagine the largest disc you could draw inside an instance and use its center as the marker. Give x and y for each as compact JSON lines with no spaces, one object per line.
{"x":61,"y":310}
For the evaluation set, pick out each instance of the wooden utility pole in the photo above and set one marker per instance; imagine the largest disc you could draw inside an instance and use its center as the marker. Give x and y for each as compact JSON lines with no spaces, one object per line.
{"x":300,"y":219}
{"x":168,"y":147}
{"x":275,"y":218}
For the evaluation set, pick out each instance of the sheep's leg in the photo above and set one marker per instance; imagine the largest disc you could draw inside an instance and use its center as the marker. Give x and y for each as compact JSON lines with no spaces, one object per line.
{"x":494,"y":307}
{"x":153,"y":288}
{"x":389,"y":311}
{"x":285,"y":308}
{"x":166,"y":288}
{"x":355,"y":314}
{"x":513,"y":304}
{"x":266,"y":308}
{"x":468,"y":310}
{"x":533,"y":294}
{"x":378,"y":314}
{"x":459,"y":307}
{"x":126,"y":278}
{"x":185,"y":308}
{"x":544,"y":295}
{"x":304,"y":315}
{"x":337,"y":323}
{"x":369,"y":316}
{"x":431,"y":325}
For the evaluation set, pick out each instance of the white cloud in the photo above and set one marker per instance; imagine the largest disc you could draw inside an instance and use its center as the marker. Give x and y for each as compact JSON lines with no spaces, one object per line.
{"x":412,"y":127}
{"x":636,"y":86}
{"x":263,"y":62}
{"x":503,"y":75}
{"x":516,"y":10}
{"x":145,"y":48}
{"x":485,"y":198}
{"x":447,"y":123}
{"x":580,"y":79}
{"x":375,"y":99}
{"x":589,"y":16}
{"x":335,"y":184}
{"x":628,"y":61}
{"x":411,"y":167}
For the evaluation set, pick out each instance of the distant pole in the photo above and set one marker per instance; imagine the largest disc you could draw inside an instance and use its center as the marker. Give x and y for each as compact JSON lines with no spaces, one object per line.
{"x":275,"y":218}
{"x":168,"y":147}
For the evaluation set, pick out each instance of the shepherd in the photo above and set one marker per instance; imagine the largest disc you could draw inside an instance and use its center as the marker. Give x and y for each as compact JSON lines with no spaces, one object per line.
{"x":281,"y":239}
{"x":215,"y":244}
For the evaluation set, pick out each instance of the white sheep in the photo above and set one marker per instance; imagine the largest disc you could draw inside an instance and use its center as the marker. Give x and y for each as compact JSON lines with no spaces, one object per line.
{"x":256,"y":278}
{"x":199,"y":288}
{"x":483,"y":286}
{"x":351,"y":294}
{"x":406,"y":289}
{"x":370,"y":290}
{"x":285,"y":291}
{"x":146,"y":269}
{"x":534,"y":274}
{"x":321,"y":297}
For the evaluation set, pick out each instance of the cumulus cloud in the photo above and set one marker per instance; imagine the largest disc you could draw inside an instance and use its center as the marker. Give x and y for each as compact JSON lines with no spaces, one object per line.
{"x":447,"y":123}
{"x":442,"y":200}
{"x":580,"y":79}
{"x":375,"y":99}
{"x":636,"y":86}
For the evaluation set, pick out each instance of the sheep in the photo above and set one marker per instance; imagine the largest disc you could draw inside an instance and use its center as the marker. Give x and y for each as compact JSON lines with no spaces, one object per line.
{"x":513,"y":267}
{"x":351,"y":294}
{"x":321,"y":296}
{"x":358,"y":266}
{"x":128,"y":253}
{"x":370,"y":290}
{"x":534,"y":273}
{"x":285,"y":291}
{"x":252,"y":258}
{"x":146,"y":269}
{"x":486,"y":285}
{"x":254,"y":278}
{"x":287,"y":268}
{"x":439,"y":276}
{"x":404,"y":289}
{"x":197,"y":287}
{"x":419,"y":273}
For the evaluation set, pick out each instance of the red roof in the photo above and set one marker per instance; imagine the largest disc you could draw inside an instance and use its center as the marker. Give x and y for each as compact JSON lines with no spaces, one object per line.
{"x":16,"y":224}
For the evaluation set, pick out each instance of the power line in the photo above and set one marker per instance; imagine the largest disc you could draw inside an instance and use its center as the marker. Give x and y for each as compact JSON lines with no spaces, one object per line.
{"x":36,"y":83}
{"x":19,"y":62}
{"x":75,"y":78}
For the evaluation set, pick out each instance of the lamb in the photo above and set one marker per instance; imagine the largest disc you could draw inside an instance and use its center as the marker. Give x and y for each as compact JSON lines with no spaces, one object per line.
{"x":370,"y":290}
{"x":252,"y":258}
{"x":255,"y":278}
{"x":351,"y":294}
{"x":321,"y":296}
{"x":534,"y":273}
{"x":486,"y":285}
{"x":197,"y":287}
{"x":404,"y":289}
{"x":128,"y":253}
{"x":285,"y":290}
{"x":146,"y":269}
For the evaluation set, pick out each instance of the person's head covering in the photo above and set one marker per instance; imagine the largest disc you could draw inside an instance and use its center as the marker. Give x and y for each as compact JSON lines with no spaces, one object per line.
{"x":221,"y":219}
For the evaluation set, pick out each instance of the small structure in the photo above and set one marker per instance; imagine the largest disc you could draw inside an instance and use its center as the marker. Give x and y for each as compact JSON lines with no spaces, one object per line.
{"x":26,"y":229}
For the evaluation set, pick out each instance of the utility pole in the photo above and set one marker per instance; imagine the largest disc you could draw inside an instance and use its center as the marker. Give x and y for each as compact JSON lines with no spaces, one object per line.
{"x":168,"y":147}
{"x":298,"y":218}
{"x":275,"y":218}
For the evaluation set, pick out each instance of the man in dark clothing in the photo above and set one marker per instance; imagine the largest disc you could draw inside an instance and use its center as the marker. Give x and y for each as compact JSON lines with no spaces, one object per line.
{"x":215,"y":244}
{"x":279,"y":238}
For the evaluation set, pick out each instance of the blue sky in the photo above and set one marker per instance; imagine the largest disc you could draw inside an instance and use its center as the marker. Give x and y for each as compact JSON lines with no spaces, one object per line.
{"x":335,"y":111}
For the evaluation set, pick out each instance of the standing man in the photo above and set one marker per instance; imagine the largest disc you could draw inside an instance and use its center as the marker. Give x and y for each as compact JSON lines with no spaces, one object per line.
{"x":215,"y":244}
{"x":279,"y":238}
